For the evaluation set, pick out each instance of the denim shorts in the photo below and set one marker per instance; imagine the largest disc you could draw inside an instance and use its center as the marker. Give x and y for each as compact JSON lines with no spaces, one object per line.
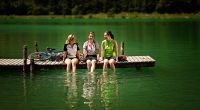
{"x":91,"y":57}
{"x":110,"y":58}
{"x":71,"y":58}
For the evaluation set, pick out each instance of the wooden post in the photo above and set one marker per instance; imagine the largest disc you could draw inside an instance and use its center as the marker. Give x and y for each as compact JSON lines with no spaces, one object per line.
{"x":24,"y":58}
{"x":36,"y":46}
{"x":47,"y":49}
{"x":32,"y":64}
{"x":122,"y":48}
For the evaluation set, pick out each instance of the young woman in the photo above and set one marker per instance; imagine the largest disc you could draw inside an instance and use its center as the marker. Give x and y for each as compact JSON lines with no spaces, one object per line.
{"x":71,"y":53}
{"x":91,"y":52}
{"x":109,"y":51}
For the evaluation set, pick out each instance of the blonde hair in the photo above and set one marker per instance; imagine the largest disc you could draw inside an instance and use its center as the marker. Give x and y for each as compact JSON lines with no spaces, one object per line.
{"x":70,"y":37}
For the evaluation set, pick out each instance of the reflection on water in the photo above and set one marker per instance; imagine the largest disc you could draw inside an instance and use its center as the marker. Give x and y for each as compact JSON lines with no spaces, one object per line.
{"x":71,"y":90}
{"x":100,"y":88}
{"x":56,"y":89}
{"x":89,"y":89}
{"x":108,"y":90}
{"x":98,"y":91}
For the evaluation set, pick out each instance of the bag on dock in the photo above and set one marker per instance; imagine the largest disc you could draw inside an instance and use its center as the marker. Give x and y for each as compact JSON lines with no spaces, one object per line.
{"x":122,"y":58}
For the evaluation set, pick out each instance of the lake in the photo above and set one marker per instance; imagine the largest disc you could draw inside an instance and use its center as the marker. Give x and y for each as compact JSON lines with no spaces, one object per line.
{"x":172,"y":84}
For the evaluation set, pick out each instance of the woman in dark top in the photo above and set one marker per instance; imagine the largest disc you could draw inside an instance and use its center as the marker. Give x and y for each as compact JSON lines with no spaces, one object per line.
{"x":71,"y":53}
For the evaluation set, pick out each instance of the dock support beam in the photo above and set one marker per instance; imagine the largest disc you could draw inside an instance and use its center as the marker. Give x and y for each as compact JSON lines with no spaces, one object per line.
{"x":32,"y":65}
{"x":36,"y":46}
{"x":25,"y":58}
{"x":122,"y":48}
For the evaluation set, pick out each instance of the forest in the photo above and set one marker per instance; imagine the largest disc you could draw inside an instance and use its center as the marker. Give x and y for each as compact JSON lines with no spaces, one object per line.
{"x":83,"y":7}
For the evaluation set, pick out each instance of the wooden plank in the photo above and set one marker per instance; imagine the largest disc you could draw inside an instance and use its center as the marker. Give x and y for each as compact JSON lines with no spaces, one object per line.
{"x":2,"y":62}
{"x":28,"y":62}
{"x":61,"y":62}
{"x":129,"y":58}
{"x":144,"y":59}
{"x":140,"y":58}
{"x":53,"y":62}
{"x":135,"y":59}
{"x":11,"y":61}
{"x":151,"y":59}
{"x":38,"y":62}
{"x":48,"y":63}
{"x":148,"y":59}
{"x":5,"y":62}
{"x":56,"y":63}
{"x":132,"y":59}
{"x":19,"y":62}
{"x":44,"y":62}
{"x":15,"y":62}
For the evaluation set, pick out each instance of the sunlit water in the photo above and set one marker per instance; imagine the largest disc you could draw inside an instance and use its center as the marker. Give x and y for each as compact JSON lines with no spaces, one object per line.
{"x":172,"y":84}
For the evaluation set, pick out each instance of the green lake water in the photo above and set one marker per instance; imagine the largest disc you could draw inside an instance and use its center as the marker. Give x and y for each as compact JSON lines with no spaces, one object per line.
{"x":173,"y":84}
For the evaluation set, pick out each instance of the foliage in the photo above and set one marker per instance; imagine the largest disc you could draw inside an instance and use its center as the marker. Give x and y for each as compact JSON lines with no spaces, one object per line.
{"x":82,"y":7}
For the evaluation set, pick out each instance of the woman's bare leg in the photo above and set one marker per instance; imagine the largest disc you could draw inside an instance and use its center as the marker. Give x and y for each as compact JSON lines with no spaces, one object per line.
{"x":93,"y":65}
{"x":112,"y":64}
{"x":105,"y":65}
{"x":74,"y":62}
{"x":89,"y":64}
{"x":68,"y":62}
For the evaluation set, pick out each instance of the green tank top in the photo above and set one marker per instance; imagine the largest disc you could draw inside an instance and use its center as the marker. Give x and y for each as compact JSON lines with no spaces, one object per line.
{"x":108,"y":48}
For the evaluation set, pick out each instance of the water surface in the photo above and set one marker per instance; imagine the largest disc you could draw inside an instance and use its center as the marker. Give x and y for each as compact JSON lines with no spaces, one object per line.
{"x":172,"y":84}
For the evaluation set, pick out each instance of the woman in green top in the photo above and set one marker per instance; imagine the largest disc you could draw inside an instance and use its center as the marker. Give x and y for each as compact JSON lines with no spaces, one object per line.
{"x":109,"y":51}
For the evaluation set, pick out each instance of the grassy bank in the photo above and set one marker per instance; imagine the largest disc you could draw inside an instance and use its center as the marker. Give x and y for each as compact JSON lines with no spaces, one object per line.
{"x":123,"y":15}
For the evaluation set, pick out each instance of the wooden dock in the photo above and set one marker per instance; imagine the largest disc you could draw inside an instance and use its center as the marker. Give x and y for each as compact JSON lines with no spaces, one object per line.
{"x":25,"y":64}
{"x":132,"y":61}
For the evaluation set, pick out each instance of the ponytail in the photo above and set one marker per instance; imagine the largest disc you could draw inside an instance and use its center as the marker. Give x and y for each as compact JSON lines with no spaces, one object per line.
{"x":111,"y":34}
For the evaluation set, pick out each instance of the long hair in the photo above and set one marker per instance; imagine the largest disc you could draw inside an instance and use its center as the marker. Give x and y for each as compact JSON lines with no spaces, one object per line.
{"x":110,"y":33}
{"x":70,"y":37}
{"x":93,"y":34}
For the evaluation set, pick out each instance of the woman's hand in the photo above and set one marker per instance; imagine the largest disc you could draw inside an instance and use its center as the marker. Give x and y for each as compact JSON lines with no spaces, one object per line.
{"x":100,"y":58}
{"x":117,"y":59}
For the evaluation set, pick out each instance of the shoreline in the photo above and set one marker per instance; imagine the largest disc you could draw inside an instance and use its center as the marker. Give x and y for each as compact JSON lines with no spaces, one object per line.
{"x":123,"y":15}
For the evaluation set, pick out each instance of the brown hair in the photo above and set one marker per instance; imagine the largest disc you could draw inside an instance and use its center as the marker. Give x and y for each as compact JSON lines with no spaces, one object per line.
{"x":110,"y":34}
{"x":92,"y":34}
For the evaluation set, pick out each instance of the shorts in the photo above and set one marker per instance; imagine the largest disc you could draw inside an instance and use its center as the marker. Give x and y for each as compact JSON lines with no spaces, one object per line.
{"x":71,"y":58}
{"x":110,"y":58}
{"x":91,"y":57}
